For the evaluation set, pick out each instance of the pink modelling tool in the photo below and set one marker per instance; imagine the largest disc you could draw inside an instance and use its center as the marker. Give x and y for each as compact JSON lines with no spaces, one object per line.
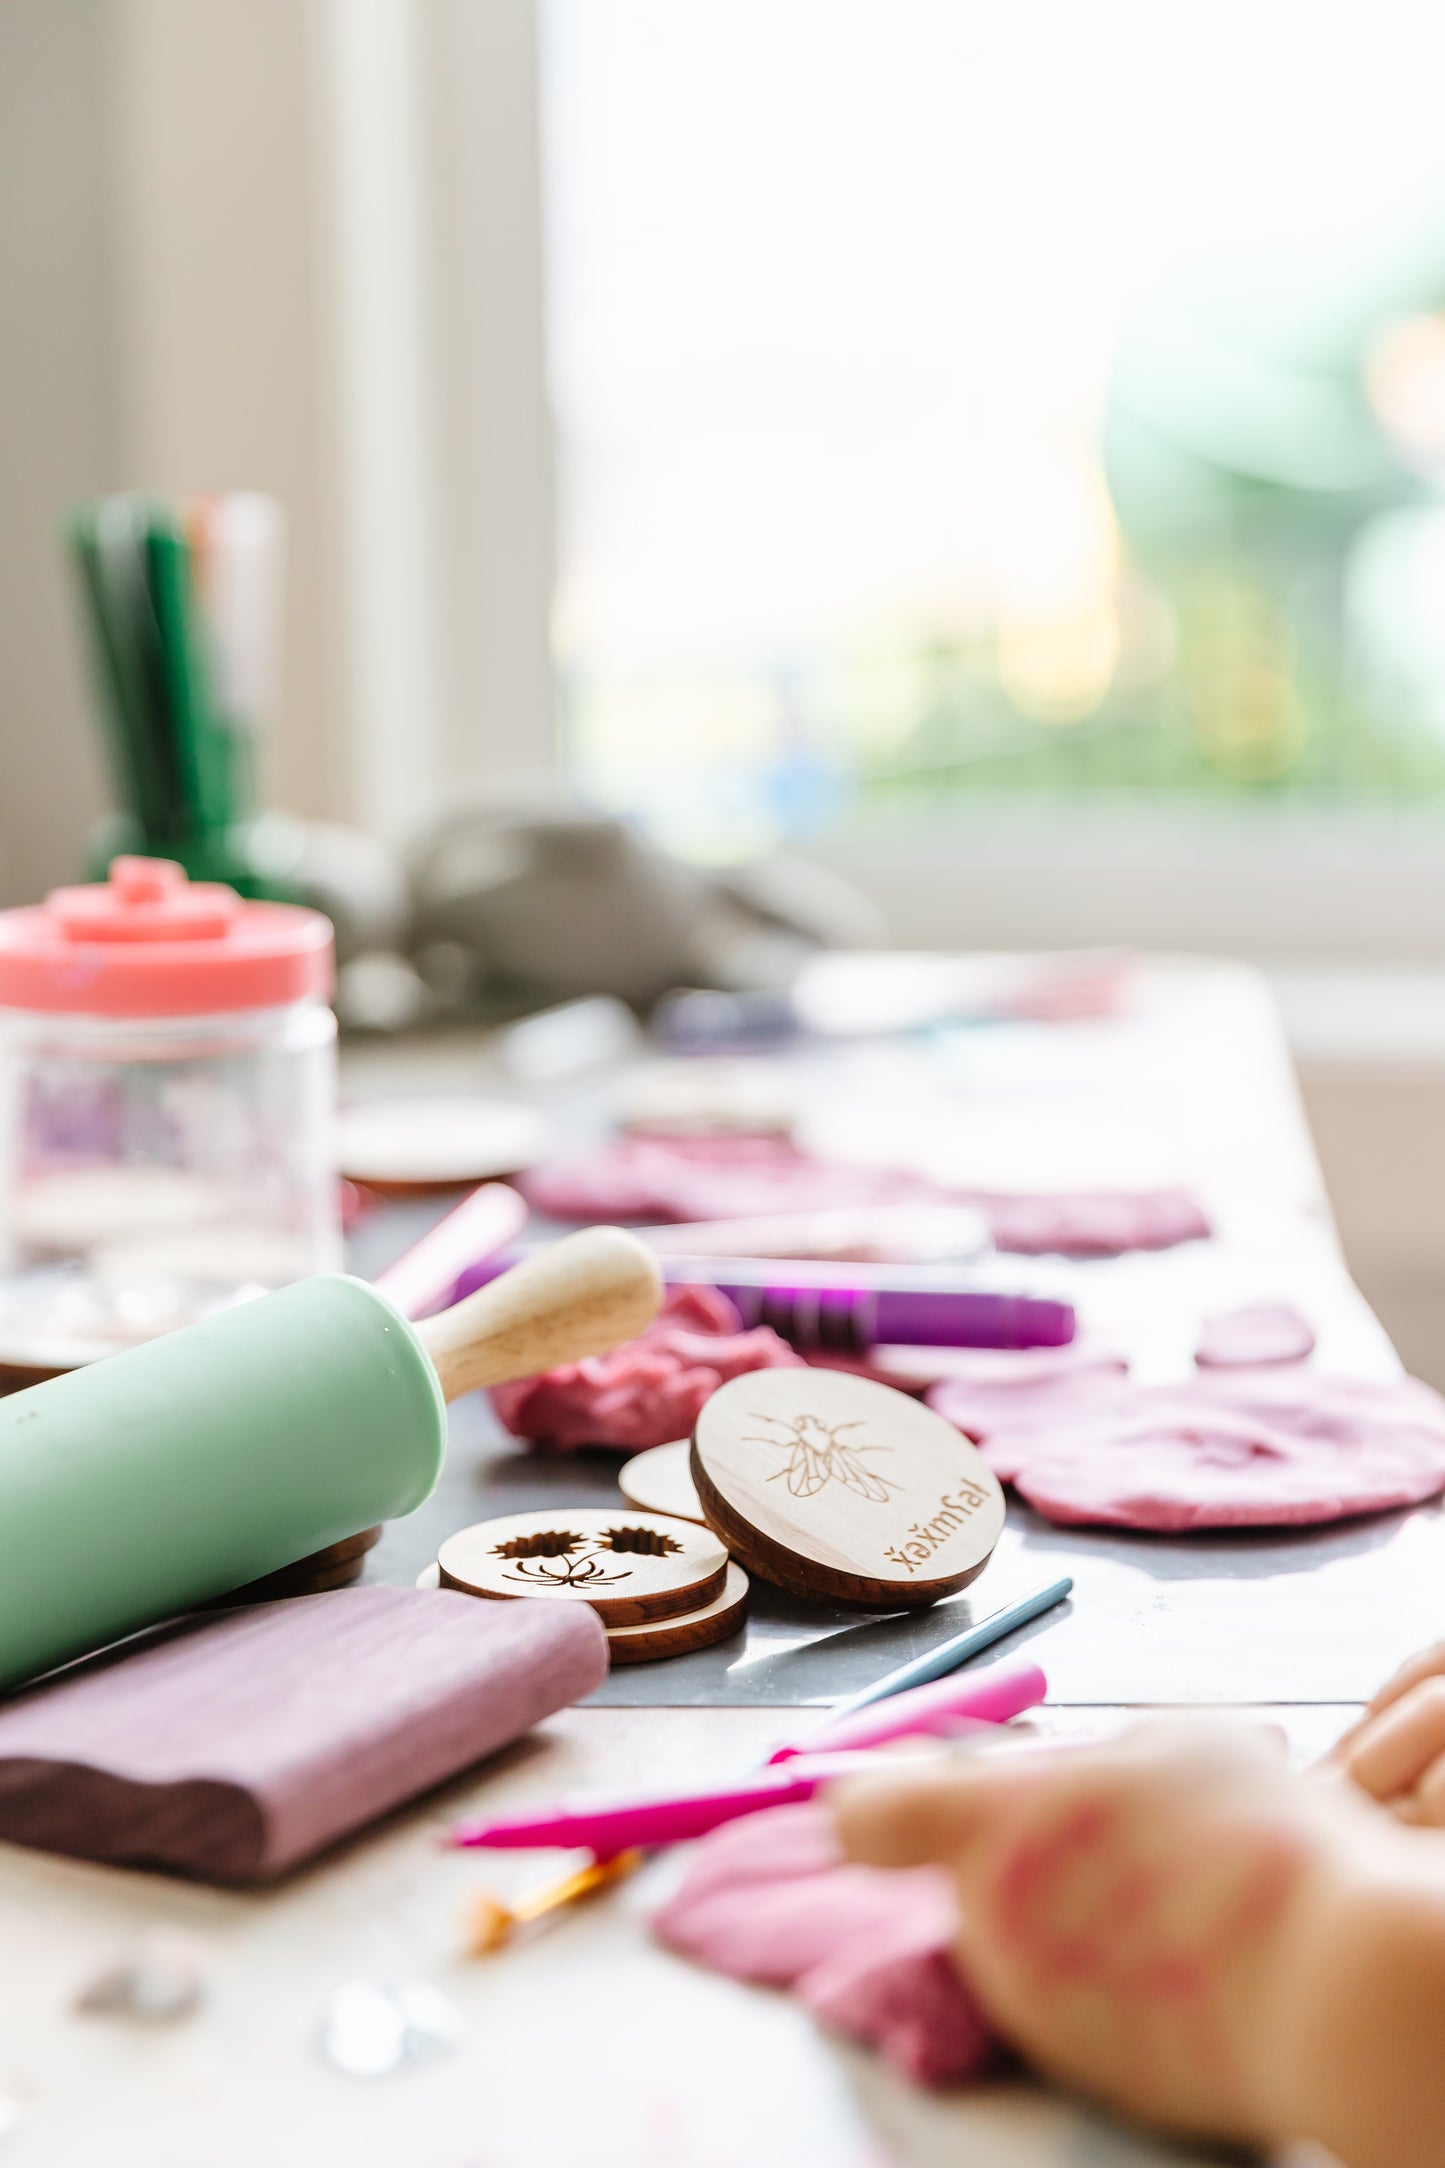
{"x":422,"y":1278}
{"x":952,"y":1705}
{"x":609,"y":1827}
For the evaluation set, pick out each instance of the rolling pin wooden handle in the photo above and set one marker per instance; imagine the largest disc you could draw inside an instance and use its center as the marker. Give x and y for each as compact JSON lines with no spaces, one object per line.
{"x":583,"y":1296}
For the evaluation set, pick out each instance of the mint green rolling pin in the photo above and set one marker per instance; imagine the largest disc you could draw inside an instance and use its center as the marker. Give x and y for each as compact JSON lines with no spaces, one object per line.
{"x":144,"y":1484}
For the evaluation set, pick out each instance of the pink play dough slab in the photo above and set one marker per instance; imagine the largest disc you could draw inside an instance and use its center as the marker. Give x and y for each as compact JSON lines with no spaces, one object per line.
{"x":898,"y":1989}
{"x":1261,"y":1332}
{"x":771,"y":1900}
{"x":987,"y":1388}
{"x":1099,"y":1223}
{"x":1260,"y":1450}
{"x":653,"y":1177}
{"x":650,"y":1390}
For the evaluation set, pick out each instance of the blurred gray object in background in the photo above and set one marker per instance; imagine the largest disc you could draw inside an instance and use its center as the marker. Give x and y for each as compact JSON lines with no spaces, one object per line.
{"x":361,"y":884}
{"x":527,"y":891}
{"x":357,"y":880}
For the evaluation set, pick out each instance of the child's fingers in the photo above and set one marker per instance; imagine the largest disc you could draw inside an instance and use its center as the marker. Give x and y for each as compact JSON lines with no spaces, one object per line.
{"x":1428,"y":1798}
{"x":1429,"y":1664}
{"x":1392,"y":1752}
{"x":910,"y":1821}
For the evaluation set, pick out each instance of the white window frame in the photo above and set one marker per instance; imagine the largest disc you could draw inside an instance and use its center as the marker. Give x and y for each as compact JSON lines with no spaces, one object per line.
{"x":442,"y":457}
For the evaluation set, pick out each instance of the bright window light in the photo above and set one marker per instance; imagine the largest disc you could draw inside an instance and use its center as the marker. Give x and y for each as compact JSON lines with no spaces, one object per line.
{"x":956,"y":397}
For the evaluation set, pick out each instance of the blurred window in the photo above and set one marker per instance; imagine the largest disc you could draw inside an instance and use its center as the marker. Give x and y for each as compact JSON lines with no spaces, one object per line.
{"x":1036,"y":398}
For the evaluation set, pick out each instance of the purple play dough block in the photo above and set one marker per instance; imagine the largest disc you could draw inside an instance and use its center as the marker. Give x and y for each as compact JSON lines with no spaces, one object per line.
{"x":237,"y":1748}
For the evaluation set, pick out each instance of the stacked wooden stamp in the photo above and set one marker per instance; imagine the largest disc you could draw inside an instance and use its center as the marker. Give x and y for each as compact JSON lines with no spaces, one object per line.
{"x":843,"y":1490}
{"x":336,"y":1567}
{"x":662,"y":1587}
{"x":824,"y":1483}
{"x":660,"y":1481}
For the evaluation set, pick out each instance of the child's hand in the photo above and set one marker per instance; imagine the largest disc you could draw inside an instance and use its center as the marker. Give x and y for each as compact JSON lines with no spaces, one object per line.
{"x":1397,"y":1754}
{"x":1135,"y":1917}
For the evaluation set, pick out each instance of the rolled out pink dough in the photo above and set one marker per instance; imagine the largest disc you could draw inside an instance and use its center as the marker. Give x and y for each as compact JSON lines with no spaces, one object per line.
{"x":726,"y":1176}
{"x":770,"y":1899}
{"x":1260,"y":1332}
{"x":1260,"y":1449}
{"x":988,"y":1388}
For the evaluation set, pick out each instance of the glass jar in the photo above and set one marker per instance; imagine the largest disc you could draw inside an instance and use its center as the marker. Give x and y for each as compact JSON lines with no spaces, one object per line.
{"x":167,"y":1092}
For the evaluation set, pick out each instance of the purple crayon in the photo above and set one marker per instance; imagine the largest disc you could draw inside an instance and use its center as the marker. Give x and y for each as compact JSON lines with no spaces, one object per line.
{"x":818,"y":1306}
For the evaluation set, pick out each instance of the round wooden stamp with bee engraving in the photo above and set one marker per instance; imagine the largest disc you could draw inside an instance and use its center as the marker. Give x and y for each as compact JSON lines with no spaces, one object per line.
{"x":834,"y":1487}
{"x":633,"y":1568}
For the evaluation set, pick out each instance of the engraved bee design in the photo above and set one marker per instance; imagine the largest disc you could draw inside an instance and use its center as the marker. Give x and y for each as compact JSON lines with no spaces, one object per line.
{"x":817,"y":1453}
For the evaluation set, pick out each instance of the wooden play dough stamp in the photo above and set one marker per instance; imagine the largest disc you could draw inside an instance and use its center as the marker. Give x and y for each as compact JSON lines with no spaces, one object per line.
{"x":660,"y":1481}
{"x":410,"y":1145}
{"x":633,"y":1568}
{"x":680,"y":1636}
{"x":336,"y":1567}
{"x":836,"y":1488}
{"x":666,"y":1636}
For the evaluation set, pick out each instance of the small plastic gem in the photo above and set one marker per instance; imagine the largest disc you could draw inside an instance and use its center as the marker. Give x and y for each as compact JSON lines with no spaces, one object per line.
{"x":159,"y":1982}
{"x":376,"y":2026}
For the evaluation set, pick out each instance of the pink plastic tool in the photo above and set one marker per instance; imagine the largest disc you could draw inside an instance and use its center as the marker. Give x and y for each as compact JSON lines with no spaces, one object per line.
{"x":608,"y":1827}
{"x":422,"y":1279}
{"x":949,"y":1706}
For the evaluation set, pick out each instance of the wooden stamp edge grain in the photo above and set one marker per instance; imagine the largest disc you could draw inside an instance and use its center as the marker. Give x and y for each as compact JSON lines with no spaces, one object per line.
{"x":680,"y":1634}
{"x":787,"y":1569}
{"x":683,"y":1636}
{"x":647,"y":1611}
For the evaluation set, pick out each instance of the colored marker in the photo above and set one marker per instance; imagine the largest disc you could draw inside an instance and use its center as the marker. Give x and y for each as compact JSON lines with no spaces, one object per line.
{"x":944,"y":1708}
{"x":949,"y":1655}
{"x":608,"y":1827}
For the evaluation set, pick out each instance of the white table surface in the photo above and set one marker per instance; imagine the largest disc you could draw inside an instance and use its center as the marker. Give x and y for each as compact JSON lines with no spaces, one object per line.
{"x":591,"y":2046}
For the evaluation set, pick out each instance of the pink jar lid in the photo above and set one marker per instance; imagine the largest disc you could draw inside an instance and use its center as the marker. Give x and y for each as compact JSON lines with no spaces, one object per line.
{"x":148,"y":942}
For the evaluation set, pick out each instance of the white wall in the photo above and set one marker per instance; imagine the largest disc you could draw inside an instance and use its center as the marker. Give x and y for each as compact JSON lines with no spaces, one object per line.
{"x":291,"y":245}
{"x":56,"y":424}
{"x":495,"y":503}
{"x":1380,"y":1129}
{"x":214,"y":235}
